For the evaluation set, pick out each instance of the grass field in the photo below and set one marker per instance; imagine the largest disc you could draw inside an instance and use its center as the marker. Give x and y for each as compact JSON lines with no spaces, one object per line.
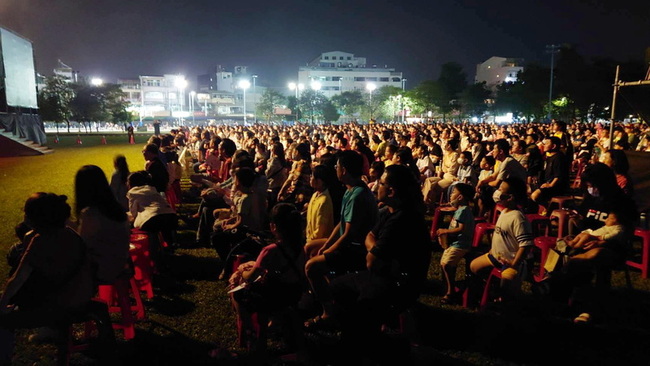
{"x":191,"y":313}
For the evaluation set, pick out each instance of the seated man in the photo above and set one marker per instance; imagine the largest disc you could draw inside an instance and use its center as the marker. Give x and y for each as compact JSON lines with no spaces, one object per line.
{"x":397,"y":261}
{"x":344,"y":250}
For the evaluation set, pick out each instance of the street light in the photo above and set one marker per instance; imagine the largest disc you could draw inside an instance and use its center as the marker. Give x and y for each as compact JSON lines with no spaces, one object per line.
{"x":96,"y":81}
{"x":181,"y":84}
{"x":315,"y":86}
{"x":371,"y":87}
{"x":255,"y":95}
{"x":403,"y":104}
{"x":192,"y":94}
{"x":244,"y":84}
{"x":552,"y":49}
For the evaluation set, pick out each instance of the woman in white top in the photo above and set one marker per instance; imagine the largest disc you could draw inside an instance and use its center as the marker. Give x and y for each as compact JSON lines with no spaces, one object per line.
{"x":103,"y":224}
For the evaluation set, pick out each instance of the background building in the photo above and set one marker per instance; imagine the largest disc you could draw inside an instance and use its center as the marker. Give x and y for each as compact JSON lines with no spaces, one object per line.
{"x":338,"y":71}
{"x":497,"y":70}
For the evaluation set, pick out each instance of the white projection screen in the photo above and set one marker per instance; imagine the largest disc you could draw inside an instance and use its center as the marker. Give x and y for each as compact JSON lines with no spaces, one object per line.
{"x":19,"y":73}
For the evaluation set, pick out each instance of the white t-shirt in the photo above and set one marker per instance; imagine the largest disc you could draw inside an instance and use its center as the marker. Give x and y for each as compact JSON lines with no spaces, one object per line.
{"x":512,"y":231}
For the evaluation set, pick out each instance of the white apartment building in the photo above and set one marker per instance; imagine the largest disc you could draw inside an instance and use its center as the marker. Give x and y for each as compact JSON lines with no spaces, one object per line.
{"x":157,"y":96}
{"x":336,"y":72}
{"x":497,"y":70}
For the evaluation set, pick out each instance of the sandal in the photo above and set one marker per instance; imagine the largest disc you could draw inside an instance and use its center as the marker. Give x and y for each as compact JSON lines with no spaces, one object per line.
{"x":320,"y":323}
{"x":583,"y":318}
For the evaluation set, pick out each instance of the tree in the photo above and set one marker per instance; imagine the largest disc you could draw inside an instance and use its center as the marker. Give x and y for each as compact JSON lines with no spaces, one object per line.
{"x":472,"y":99}
{"x":54,"y":100}
{"x":115,"y":104}
{"x":452,"y":80}
{"x":330,"y":112}
{"x":88,"y":105}
{"x":313,"y":102}
{"x":271,"y":99}
{"x":428,"y":96}
{"x":293,"y":104}
{"x":348,"y":102}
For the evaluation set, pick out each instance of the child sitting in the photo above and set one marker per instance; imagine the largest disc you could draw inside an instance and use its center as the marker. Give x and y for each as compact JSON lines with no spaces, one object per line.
{"x":588,"y":239}
{"x":461,"y":229}
{"x":274,"y":282}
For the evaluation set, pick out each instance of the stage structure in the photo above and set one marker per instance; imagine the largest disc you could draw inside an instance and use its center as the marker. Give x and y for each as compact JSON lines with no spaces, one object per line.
{"x":18,"y":103}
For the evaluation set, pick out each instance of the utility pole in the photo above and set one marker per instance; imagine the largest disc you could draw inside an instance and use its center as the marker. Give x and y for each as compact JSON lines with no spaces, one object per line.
{"x":552,"y":49}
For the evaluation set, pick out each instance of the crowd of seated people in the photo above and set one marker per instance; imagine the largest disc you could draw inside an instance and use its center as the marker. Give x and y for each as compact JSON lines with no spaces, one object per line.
{"x":363,"y":192}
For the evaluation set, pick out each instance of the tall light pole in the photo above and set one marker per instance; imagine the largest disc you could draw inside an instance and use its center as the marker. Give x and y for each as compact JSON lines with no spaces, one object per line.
{"x":370,"y":87}
{"x":340,"y":84}
{"x":255,"y":95}
{"x":315,"y":86}
{"x":552,"y":49}
{"x":244,"y":84}
{"x":181,"y":84}
{"x":192,"y":94}
{"x":403,"y":104}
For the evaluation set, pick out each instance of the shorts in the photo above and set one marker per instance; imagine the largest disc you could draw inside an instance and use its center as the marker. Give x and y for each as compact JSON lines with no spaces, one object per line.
{"x":452,"y":256}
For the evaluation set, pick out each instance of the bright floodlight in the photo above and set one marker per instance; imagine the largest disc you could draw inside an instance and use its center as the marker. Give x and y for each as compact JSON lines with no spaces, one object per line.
{"x":316,"y":85}
{"x":192,"y":93}
{"x":244,"y":84}
{"x":180,"y":83}
{"x":371,"y":87}
{"x":292,"y":86}
{"x":96,"y":81}
{"x":301,"y":86}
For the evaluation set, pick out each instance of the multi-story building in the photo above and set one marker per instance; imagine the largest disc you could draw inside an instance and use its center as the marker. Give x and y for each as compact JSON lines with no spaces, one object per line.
{"x":157,"y":96}
{"x":219,"y":92}
{"x":497,"y":70}
{"x":335,"y":72}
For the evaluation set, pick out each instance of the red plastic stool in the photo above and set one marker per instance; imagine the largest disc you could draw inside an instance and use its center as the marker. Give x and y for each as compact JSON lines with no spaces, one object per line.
{"x":645,"y":252}
{"x":495,"y":273}
{"x":538,"y":223}
{"x":437,"y":216}
{"x":118,"y":297}
{"x":479,"y":231}
{"x":97,"y":329}
{"x":545,"y":244}
{"x":562,"y":217}
{"x":560,"y":201}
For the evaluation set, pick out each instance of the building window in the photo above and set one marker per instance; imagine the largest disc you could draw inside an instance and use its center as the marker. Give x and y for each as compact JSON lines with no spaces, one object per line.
{"x":341,"y":58}
{"x":396,"y":80}
{"x":383,"y":79}
{"x":359,"y":78}
{"x":326,"y":57}
{"x":371,"y":79}
{"x":349,"y":58}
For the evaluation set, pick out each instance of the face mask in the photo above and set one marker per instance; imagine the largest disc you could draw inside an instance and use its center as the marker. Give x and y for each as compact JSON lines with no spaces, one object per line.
{"x":499,"y":196}
{"x":461,"y":161}
{"x":593,"y":191}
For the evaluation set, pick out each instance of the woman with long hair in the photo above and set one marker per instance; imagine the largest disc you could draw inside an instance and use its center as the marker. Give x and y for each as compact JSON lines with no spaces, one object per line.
{"x":617,"y":161}
{"x":102,"y":222}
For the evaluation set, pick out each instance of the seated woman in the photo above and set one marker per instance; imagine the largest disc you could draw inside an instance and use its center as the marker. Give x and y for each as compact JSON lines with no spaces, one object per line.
{"x":278,"y":274}
{"x":102,"y":224}
{"x":602,"y":198}
{"x":150,"y":211}
{"x":54,"y":279}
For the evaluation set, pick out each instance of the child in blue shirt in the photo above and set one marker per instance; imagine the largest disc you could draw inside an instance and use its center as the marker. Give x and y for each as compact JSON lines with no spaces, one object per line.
{"x":460,"y":234}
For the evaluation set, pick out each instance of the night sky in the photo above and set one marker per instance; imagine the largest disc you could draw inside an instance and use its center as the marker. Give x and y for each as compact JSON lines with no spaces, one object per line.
{"x":119,"y":38}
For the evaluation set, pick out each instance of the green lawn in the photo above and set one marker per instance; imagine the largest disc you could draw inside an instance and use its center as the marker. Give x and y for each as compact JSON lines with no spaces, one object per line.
{"x":191,"y":312}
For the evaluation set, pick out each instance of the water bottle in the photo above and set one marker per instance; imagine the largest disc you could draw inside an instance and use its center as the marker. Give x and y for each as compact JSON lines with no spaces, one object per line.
{"x":643,"y":221}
